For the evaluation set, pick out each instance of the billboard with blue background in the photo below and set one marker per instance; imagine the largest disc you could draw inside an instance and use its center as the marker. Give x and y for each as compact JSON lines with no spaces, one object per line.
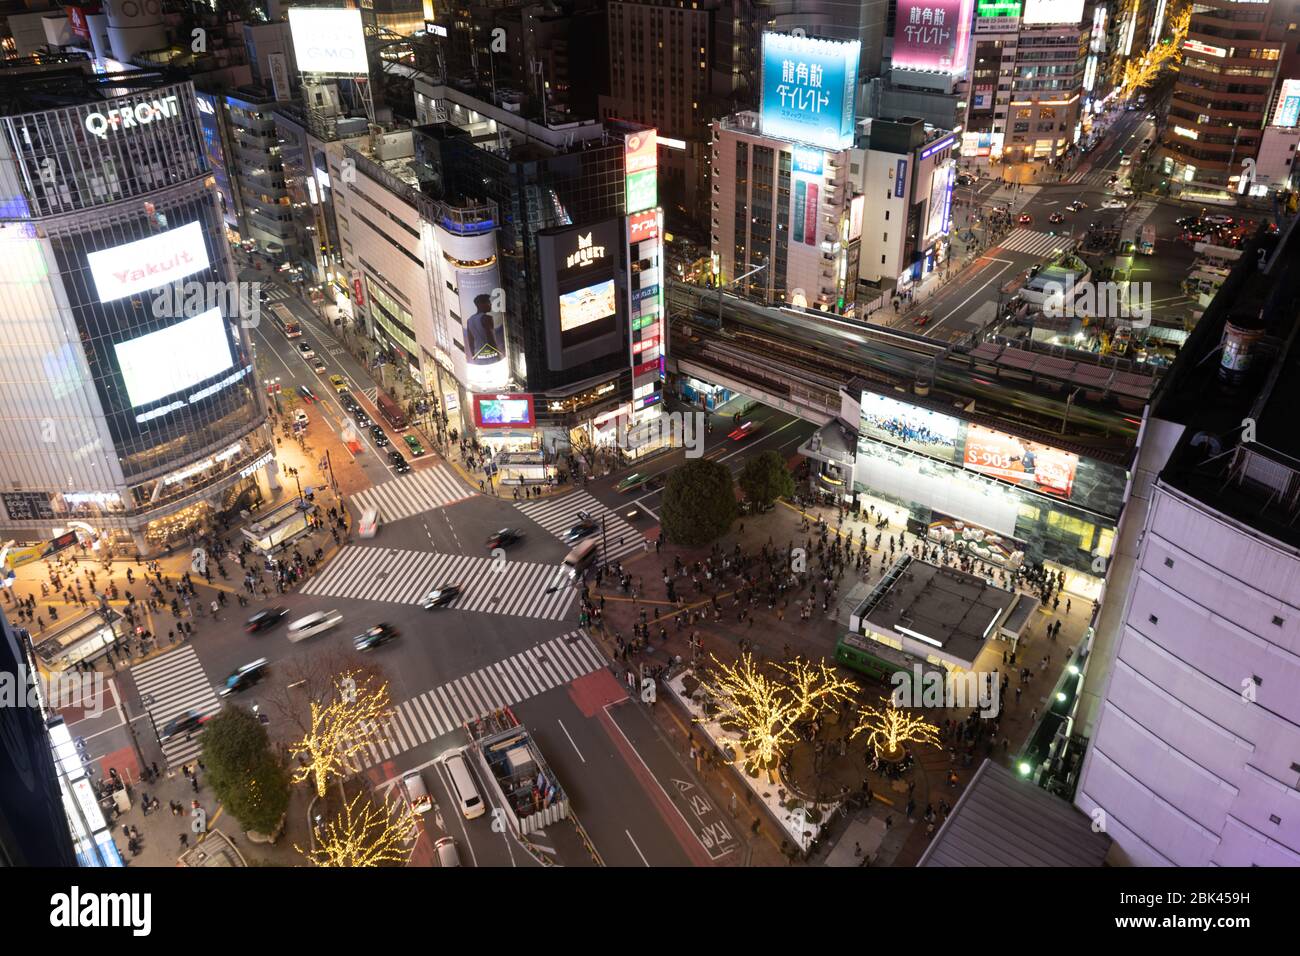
{"x":809,"y":89}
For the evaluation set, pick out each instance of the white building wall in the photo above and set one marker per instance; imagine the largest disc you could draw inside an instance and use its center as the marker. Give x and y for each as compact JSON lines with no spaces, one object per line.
{"x":884,"y":218}
{"x":1188,"y":770}
{"x":1275,"y":164}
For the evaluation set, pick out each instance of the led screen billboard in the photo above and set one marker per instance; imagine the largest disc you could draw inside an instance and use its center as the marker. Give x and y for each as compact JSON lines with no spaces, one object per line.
{"x":328,"y":40}
{"x":1288,"y":105}
{"x":588,"y":304}
{"x":148,"y":263}
{"x":503,"y":411}
{"x":919,"y":429}
{"x":1023,"y":462}
{"x":809,"y":89}
{"x":1053,"y":11}
{"x":170,"y":360}
{"x":932,"y":35}
{"x":940,"y":208}
{"x":485,"y":327}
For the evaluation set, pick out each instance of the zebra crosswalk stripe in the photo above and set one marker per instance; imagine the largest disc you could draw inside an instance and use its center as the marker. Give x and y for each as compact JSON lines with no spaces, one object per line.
{"x":488,"y":586}
{"x":1035,"y":243}
{"x":169,"y":686}
{"x":421,"y":490}
{"x":558,"y":515}
{"x":448,"y":707}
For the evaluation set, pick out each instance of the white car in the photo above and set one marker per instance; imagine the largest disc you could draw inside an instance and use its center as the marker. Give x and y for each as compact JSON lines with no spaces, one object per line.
{"x":301,"y":417}
{"x":1125,"y":160}
{"x":1113,"y":203}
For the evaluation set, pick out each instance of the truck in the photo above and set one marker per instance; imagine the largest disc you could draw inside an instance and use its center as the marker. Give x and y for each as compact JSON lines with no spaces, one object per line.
{"x":1147,"y":241}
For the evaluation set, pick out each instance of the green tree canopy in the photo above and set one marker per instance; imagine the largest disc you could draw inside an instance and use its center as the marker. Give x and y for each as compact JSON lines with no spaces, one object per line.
{"x":766,"y":478}
{"x":246,"y":774}
{"x":699,"y":502}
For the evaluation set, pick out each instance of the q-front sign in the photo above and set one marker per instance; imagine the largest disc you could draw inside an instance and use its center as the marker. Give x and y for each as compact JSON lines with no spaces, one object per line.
{"x":133,"y":114}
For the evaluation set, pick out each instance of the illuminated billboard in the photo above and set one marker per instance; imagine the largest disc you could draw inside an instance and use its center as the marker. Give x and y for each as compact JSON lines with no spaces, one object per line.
{"x":503,"y":411}
{"x":328,"y":40}
{"x":485,"y":328}
{"x":809,"y":89}
{"x":1053,"y":11}
{"x":1025,"y":463}
{"x":175,"y":358}
{"x":940,"y":208}
{"x":586,"y":305}
{"x":919,"y":429}
{"x":997,"y":8}
{"x":641,"y":161}
{"x":932,"y":35}
{"x":149,"y":263}
{"x":1288,"y":105}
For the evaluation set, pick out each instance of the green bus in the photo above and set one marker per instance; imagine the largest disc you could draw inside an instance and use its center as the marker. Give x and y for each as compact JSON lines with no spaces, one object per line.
{"x":879,"y":661}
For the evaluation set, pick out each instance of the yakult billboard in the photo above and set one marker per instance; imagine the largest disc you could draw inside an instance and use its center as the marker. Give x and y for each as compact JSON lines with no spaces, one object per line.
{"x":932,"y":35}
{"x":149,"y":263}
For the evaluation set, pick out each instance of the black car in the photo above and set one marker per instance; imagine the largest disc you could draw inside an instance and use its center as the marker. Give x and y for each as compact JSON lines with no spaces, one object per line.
{"x":586,"y":525}
{"x":361,"y":418}
{"x":266,"y":618}
{"x":377,"y":433}
{"x":965,"y":179}
{"x":441,"y":596}
{"x":504,"y":537}
{"x":398,"y":462}
{"x":186,"y":724}
{"x":374,"y":637}
{"x":244,"y":678}
{"x":348,"y":402}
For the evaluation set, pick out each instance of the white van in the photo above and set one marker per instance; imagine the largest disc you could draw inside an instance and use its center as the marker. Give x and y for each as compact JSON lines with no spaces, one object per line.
{"x":368,"y":526}
{"x":446,"y":852}
{"x":581,"y":557}
{"x":462,"y":787}
{"x":417,"y":793}
{"x":313,"y":624}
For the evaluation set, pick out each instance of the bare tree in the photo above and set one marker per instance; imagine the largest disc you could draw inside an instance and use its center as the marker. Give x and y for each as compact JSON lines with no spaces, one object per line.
{"x":294,"y":684}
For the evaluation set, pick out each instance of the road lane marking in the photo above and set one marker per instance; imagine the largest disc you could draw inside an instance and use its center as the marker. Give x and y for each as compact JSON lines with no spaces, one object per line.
{"x":637,"y":848}
{"x":571,"y":743}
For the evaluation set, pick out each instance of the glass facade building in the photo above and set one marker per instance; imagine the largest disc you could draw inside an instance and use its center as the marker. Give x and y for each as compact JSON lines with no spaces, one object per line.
{"x":125,"y":371}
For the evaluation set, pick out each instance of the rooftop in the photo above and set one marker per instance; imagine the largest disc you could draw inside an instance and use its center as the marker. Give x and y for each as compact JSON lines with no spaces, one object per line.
{"x":1003,"y":821}
{"x":944,"y":607}
{"x":1254,"y":324}
{"x":38,"y":83}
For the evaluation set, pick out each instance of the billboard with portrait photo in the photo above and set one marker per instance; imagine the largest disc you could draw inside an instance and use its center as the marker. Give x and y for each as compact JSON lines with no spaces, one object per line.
{"x":485,"y":327}
{"x":1026,"y":463}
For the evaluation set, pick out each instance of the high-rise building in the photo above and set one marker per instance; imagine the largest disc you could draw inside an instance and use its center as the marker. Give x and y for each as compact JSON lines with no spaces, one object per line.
{"x":1191,"y":707}
{"x":132,"y":413}
{"x":1225,"y":91}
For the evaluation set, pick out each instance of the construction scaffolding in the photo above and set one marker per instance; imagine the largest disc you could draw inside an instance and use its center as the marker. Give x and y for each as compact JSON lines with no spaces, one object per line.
{"x":514,"y":767}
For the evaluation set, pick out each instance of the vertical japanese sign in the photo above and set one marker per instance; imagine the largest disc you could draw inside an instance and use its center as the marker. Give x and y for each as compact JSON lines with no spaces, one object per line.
{"x":932,"y":35}
{"x":809,"y":90}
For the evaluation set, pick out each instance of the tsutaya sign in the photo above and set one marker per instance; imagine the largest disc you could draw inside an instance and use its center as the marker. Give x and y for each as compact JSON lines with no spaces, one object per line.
{"x":586,"y":254}
{"x":133,"y":114}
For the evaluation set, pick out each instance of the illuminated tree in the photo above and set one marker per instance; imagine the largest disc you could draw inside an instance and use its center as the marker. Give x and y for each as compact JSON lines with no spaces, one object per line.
{"x":765,"y":703}
{"x":888,"y":728}
{"x":365,"y":833}
{"x":1142,"y":70}
{"x":340,"y":727}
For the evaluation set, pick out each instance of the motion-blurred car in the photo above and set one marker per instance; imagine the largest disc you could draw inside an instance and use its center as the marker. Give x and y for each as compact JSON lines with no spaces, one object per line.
{"x":1056,"y":217}
{"x":440,"y":596}
{"x":1077,"y":206}
{"x":413,"y":445}
{"x":634,"y":480}
{"x":586,"y":525}
{"x":265,"y":619}
{"x":1114,"y":203}
{"x":965,"y":179}
{"x":377,"y":433}
{"x":308,"y":395}
{"x":504,"y":538}
{"x":245,"y":677}
{"x":744,"y":431}
{"x":374,"y":637}
{"x":1025,"y":219}
{"x":397,"y":462}
{"x":186,"y":724}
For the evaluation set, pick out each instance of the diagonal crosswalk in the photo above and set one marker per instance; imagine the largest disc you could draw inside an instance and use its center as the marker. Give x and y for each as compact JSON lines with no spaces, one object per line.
{"x":487,"y":586}
{"x":506,"y":683}
{"x":558,"y":515}
{"x":1092,"y":177}
{"x":1034,"y":243}
{"x":421,"y":490}
{"x":371,"y":393}
{"x":275,"y":293}
{"x":169,"y":686}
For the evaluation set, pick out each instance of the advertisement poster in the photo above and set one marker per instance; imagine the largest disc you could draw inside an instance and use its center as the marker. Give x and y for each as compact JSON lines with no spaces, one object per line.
{"x":1053,"y":11}
{"x":809,"y":89}
{"x":1023,"y":462}
{"x":919,"y":429}
{"x":328,"y":40}
{"x":588,"y":304}
{"x":503,"y":411}
{"x":149,"y":263}
{"x":930,"y":35}
{"x":485,"y":330}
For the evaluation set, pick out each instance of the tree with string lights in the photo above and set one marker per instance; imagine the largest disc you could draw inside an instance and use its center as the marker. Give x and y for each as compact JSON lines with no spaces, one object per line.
{"x":340,"y":726}
{"x":365,"y":832}
{"x":888,"y":728}
{"x":765,"y":703}
{"x":1142,"y":70}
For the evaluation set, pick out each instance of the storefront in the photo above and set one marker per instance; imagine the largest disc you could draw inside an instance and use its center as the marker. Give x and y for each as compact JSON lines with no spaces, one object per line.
{"x":280,"y":527}
{"x":522,"y":467}
{"x":704,"y":394}
{"x":87,"y":637}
